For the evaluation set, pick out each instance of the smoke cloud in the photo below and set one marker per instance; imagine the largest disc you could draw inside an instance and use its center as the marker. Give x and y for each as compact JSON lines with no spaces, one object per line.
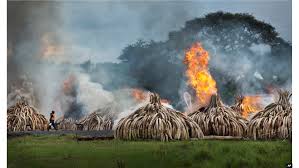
{"x":48,"y":50}
{"x":43,"y":59}
{"x":243,"y":51}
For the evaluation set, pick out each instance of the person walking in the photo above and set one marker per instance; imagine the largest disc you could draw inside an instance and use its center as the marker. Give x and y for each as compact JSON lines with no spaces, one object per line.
{"x":52,"y":121}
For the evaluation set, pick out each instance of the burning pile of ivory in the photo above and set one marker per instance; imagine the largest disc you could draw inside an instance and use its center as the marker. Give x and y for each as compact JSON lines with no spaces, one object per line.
{"x":274,"y":121}
{"x":238,"y":106}
{"x":155,"y":121}
{"x":66,"y":123}
{"x":247,"y":106}
{"x":101,"y":119}
{"x":218,"y":119}
{"x":22,"y":116}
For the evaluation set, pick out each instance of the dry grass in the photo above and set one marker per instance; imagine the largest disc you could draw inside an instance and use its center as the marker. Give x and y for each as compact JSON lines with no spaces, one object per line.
{"x":155,"y":121}
{"x":275,"y":121}
{"x":218,"y":119}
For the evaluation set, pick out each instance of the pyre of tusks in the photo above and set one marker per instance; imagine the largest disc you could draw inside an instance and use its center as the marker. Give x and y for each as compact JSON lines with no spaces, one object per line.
{"x":101,"y":119}
{"x":155,"y":121}
{"x":218,"y":119}
{"x":22,"y":117}
{"x":274,"y":121}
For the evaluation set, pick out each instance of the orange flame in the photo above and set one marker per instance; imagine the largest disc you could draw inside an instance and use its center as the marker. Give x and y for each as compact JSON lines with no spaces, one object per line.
{"x":68,"y":84}
{"x":50,"y":48}
{"x":138,"y":94}
{"x":199,"y":77}
{"x":251,"y":104}
{"x":141,"y":95}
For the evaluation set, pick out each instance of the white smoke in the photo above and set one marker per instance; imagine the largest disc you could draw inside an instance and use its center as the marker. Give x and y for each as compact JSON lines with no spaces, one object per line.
{"x":91,"y":94}
{"x":25,"y":90}
{"x":126,"y":112}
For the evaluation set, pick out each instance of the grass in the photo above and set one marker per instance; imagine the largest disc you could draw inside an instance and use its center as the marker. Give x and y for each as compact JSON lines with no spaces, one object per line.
{"x":64,"y":151}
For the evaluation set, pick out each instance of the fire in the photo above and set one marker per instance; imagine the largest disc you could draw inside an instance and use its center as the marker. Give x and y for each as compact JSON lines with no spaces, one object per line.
{"x":141,"y":95}
{"x":68,"y":84}
{"x":50,"y":48}
{"x":251,"y":104}
{"x":199,"y":77}
{"x":138,"y":94}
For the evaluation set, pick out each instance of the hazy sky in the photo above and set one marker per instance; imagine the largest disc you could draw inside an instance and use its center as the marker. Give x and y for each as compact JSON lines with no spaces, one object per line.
{"x":105,"y":28}
{"x":100,"y":30}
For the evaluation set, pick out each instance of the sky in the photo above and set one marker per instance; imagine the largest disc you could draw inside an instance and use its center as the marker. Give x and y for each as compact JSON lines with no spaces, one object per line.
{"x":101,"y":30}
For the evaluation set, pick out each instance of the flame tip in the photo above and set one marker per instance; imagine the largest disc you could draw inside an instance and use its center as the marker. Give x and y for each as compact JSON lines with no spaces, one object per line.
{"x":199,"y":77}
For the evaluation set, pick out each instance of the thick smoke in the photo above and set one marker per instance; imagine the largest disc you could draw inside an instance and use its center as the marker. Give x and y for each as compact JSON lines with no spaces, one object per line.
{"x":42,"y":59}
{"x":43,"y":55}
{"x":247,"y":57}
{"x":27,"y":23}
{"x":22,"y":89}
{"x":45,"y":65}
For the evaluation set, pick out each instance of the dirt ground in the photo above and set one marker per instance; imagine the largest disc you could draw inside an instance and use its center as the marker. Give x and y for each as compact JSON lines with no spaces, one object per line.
{"x":95,"y":134}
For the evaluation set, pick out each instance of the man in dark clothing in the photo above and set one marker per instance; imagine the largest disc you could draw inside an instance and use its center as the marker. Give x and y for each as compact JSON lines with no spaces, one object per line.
{"x":52,"y":121}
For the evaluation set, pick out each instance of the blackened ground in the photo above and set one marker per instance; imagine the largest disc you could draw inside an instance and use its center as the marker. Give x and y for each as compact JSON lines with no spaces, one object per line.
{"x":91,"y":134}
